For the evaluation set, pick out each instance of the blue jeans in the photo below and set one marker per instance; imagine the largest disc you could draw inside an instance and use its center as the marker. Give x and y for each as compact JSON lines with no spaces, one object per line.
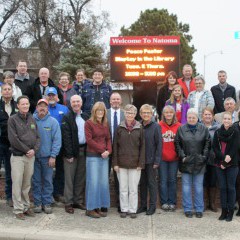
{"x":227,"y":180}
{"x":168,"y":182}
{"x":195,"y":181}
{"x":97,"y":183}
{"x":42,"y":182}
{"x":6,"y":154}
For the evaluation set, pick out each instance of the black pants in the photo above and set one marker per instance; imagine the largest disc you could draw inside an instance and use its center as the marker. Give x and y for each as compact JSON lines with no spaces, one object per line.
{"x":148,"y":181}
{"x":116,"y":183}
{"x":58,"y":181}
{"x":210,"y":177}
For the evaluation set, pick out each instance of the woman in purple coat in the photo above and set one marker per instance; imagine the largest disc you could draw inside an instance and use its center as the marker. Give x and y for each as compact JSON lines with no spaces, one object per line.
{"x":179,"y":103}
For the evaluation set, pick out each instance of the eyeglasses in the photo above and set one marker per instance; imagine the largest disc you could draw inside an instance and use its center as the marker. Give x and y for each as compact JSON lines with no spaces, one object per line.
{"x":129,"y":113}
{"x":146,"y":113}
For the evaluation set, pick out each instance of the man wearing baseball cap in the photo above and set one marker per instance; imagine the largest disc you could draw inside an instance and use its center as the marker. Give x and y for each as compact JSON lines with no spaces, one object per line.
{"x":50,"y":135}
{"x":57,"y":111}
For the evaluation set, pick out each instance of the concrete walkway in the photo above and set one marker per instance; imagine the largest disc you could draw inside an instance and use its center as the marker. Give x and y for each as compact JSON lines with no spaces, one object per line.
{"x":162,"y":225}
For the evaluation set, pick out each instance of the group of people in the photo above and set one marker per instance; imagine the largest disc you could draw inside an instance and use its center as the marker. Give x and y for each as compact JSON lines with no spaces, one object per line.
{"x":80,"y":130}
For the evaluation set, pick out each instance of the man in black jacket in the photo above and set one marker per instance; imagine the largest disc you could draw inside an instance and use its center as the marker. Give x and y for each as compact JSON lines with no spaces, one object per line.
{"x":74,"y":152}
{"x":38,"y":89}
{"x":222,"y":91}
{"x":8,"y":107}
{"x":22,"y":77}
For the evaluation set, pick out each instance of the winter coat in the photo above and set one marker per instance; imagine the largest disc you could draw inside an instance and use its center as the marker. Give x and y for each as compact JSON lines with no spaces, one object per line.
{"x":206,"y":100}
{"x":153,"y":143}
{"x":89,"y":92}
{"x":70,"y":134}
{"x":192,"y":148}
{"x":219,"y":96}
{"x":184,"y":109}
{"x":34,"y":93}
{"x":232,"y":147}
{"x":182,"y":83}
{"x":4,"y":121}
{"x":22,"y":134}
{"x":129,"y":147}
{"x":163,"y":95}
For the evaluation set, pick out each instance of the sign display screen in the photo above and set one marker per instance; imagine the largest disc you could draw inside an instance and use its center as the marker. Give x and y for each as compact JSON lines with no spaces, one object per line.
{"x":143,"y":58}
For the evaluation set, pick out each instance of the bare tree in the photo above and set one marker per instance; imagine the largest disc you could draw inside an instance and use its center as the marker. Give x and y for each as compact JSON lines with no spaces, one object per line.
{"x":7,"y":10}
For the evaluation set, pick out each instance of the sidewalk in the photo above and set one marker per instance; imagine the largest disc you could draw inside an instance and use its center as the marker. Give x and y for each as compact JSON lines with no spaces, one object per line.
{"x":162,"y":225}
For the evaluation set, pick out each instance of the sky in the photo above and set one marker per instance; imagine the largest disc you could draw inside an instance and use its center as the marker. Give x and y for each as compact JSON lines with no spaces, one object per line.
{"x":212,"y":26}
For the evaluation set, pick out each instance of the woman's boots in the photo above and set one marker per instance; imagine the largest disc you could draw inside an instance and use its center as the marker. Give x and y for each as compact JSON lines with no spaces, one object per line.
{"x":230,"y":215}
{"x":226,"y":215}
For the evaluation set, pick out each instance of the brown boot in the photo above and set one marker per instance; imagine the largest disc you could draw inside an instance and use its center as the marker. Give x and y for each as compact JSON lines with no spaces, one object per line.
{"x":92,"y":214}
{"x":213,"y":196}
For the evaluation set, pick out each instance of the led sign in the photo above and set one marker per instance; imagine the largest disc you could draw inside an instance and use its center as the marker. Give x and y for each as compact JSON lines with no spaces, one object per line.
{"x":143,"y":58}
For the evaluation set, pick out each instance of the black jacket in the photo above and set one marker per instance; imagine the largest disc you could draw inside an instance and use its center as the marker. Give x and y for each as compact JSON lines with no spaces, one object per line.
{"x":219,"y":96}
{"x":153,"y":143}
{"x":163,"y":95}
{"x":70,"y":143}
{"x":34,"y":93}
{"x":193,"y":148}
{"x":232,"y":149}
{"x":23,"y":85}
{"x":4,"y":120}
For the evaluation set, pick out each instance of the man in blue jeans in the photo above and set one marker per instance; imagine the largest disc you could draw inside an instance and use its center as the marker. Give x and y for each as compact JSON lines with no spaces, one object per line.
{"x":57,"y":111}
{"x":50,"y":135}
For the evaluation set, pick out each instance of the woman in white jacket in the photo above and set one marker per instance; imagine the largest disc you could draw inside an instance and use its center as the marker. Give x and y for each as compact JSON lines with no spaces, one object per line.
{"x":8,"y":77}
{"x":200,"y":98}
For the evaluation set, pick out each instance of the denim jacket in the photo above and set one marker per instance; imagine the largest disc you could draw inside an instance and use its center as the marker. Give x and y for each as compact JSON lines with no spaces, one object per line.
{"x":88,"y":96}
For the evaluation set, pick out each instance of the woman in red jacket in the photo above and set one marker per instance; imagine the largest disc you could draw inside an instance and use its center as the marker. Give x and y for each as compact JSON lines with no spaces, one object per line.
{"x":169,"y":163}
{"x":98,"y":149}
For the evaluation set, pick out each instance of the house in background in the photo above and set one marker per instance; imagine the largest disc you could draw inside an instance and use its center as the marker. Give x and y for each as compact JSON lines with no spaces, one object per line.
{"x":9,"y":58}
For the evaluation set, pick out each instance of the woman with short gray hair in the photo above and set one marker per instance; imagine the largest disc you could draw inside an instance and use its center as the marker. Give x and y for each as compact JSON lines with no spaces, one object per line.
{"x":200,"y":98}
{"x":192,"y":143}
{"x":9,"y":77}
{"x":128,"y":160}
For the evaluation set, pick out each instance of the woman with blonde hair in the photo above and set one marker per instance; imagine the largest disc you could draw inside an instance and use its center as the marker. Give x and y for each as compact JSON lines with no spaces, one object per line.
{"x":169,"y":161}
{"x":98,"y":149}
{"x":225,"y":146}
{"x":179,"y":103}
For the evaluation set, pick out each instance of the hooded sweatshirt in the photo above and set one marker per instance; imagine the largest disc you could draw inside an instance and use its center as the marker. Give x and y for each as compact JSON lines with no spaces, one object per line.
{"x":50,"y":135}
{"x":169,"y":153}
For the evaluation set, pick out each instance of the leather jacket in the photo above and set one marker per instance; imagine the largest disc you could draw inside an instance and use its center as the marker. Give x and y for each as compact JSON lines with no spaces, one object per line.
{"x":192,"y":148}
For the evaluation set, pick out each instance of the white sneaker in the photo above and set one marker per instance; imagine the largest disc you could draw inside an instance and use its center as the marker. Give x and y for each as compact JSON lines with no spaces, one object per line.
{"x":37,"y":209}
{"x":47,"y":209}
{"x":165,"y":207}
{"x":172,"y":207}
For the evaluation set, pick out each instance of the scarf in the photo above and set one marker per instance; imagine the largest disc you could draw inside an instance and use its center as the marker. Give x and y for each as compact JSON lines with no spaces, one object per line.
{"x":225,"y":135}
{"x":130,"y":127}
{"x":192,"y":128}
{"x":223,"y":86}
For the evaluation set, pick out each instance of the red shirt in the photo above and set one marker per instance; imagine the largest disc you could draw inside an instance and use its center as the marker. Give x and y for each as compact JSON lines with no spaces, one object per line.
{"x":98,"y":137}
{"x":168,"y":135}
{"x":192,"y":86}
